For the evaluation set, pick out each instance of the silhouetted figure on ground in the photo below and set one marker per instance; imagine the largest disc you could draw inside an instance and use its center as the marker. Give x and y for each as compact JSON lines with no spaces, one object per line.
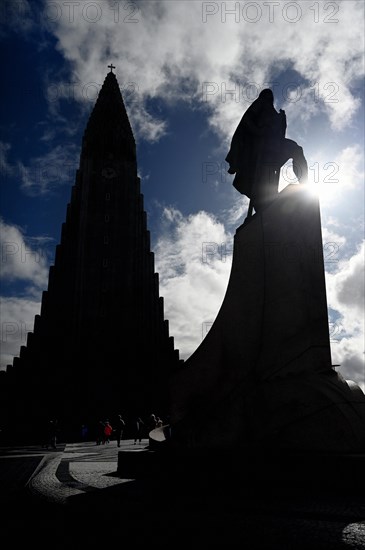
{"x":99,"y":432}
{"x":51,"y":435}
{"x":119,"y":428}
{"x":139,"y":426}
{"x":259,"y":149}
{"x":84,"y":432}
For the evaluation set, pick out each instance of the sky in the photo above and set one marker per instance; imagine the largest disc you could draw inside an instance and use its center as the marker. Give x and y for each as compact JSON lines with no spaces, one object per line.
{"x":188,"y":70}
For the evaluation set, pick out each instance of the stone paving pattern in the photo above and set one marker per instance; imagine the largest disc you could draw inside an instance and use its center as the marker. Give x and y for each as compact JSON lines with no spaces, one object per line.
{"x":72,"y":496}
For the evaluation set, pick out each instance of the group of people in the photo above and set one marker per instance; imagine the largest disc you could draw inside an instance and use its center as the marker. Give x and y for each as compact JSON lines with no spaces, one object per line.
{"x":139,"y":429}
{"x":136,"y":429}
{"x":104,"y":431}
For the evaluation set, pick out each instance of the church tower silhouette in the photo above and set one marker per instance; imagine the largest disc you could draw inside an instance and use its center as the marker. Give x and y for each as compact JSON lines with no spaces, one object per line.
{"x":100,"y":345}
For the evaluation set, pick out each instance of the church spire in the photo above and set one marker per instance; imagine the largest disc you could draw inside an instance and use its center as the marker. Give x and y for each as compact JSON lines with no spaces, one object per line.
{"x":108,"y":131}
{"x":102,"y":319}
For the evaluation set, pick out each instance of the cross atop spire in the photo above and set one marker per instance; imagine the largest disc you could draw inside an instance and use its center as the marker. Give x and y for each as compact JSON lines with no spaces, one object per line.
{"x":108,"y":129}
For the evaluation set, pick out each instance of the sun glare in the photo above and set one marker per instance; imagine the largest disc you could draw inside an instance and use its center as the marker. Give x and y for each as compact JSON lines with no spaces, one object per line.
{"x":325,"y":188}
{"x":326,"y":192}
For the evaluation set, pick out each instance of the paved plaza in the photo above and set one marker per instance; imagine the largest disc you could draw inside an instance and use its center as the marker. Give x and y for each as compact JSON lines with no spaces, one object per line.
{"x":72,"y":495}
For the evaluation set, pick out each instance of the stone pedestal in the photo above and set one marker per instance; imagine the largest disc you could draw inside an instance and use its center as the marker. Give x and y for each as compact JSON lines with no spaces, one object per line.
{"x":263,"y":375}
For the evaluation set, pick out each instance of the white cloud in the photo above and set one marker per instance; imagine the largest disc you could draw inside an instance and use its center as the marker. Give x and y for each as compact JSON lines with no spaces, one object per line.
{"x":192,"y":257}
{"x":347,"y":286}
{"x":24,"y":260}
{"x":146,"y":126}
{"x":19,"y":261}
{"x":351,"y":167}
{"x":16,"y":15}
{"x":169,"y":51}
{"x":5,"y":167}
{"x":44,"y":173}
{"x":236,"y":213}
{"x":329,"y":236}
{"x":334,"y":247}
{"x":47,"y":172}
{"x":345,"y":295}
{"x":17,"y":319}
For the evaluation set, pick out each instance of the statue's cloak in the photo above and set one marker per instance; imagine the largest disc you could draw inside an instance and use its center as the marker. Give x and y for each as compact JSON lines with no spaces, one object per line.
{"x":260,"y":127}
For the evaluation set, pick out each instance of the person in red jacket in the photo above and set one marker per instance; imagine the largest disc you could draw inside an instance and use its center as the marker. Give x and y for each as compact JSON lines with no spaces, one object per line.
{"x":108,"y":430}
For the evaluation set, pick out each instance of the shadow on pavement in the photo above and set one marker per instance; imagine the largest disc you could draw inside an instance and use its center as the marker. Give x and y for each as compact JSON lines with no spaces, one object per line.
{"x":167,"y":510}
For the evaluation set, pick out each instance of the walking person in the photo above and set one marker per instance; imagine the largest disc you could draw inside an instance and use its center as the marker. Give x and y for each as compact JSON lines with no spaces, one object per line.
{"x":120,"y":425}
{"x":139,"y":425}
{"x":99,"y":432}
{"x":108,"y":430}
{"x":84,"y":432}
{"x":51,"y":435}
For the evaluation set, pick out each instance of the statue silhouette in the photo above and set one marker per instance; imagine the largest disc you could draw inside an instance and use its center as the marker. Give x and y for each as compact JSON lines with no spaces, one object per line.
{"x":259,"y":149}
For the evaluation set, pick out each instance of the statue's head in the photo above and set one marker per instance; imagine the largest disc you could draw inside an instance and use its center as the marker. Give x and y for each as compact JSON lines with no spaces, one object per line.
{"x":267,"y":95}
